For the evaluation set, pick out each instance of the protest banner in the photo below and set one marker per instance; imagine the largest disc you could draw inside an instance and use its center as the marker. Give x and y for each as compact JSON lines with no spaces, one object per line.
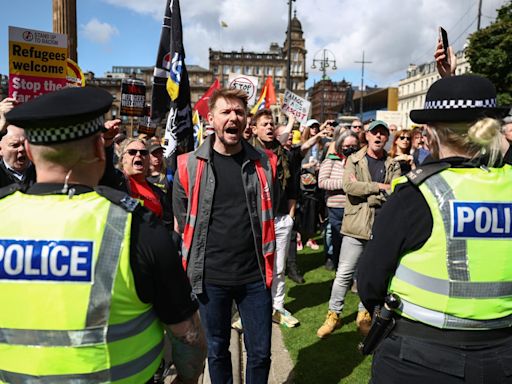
{"x":133,"y":97}
{"x":37,"y":62}
{"x":248,"y":84}
{"x":391,"y":117}
{"x":296,"y":106}
{"x":74,"y":75}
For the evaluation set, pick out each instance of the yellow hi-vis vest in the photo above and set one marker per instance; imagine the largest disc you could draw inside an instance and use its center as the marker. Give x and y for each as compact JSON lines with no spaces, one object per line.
{"x":69,"y":312}
{"x":461,"y":278}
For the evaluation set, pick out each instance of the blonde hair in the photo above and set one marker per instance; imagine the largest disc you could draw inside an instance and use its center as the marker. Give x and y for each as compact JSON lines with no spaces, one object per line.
{"x":125,"y":145}
{"x":481,"y":138}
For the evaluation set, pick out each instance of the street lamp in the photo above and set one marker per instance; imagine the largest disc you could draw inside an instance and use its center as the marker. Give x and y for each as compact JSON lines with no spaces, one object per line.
{"x":325,"y":62}
{"x":289,"y":38}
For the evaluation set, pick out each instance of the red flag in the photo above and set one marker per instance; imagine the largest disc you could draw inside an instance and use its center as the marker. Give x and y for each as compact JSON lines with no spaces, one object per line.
{"x":202,"y":104}
{"x":270,"y":97}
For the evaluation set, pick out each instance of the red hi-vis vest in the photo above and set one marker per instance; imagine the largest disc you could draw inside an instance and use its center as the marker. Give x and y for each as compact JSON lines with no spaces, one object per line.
{"x":267,"y":227}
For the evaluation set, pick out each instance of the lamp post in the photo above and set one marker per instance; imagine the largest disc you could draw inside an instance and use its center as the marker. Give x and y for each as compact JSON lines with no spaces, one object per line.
{"x":289,"y":41}
{"x":325,"y":62}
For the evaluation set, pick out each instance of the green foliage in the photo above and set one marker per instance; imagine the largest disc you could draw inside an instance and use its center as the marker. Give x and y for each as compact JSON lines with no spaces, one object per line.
{"x":331,"y":360}
{"x":490,"y":53}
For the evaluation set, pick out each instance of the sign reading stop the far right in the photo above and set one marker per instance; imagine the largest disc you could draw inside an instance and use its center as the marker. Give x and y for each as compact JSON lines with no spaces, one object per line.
{"x":248,"y":84}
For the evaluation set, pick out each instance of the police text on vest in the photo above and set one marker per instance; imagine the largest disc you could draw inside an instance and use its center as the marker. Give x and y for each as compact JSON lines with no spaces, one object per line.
{"x":46,"y":260}
{"x":481,"y":220}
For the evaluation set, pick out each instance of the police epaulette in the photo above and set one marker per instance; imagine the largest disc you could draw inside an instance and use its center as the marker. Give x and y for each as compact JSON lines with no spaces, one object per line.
{"x":420,"y":174}
{"x":118,"y":197}
{"x":10,"y":189}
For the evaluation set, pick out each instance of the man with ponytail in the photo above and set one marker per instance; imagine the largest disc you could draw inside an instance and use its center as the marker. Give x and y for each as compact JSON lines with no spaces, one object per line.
{"x":443,"y":245}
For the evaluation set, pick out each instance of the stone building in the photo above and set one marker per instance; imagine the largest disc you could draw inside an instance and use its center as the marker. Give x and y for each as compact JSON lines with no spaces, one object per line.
{"x":330,"y":99}
{"x":262,"y":64}
{"x":413,"y":89}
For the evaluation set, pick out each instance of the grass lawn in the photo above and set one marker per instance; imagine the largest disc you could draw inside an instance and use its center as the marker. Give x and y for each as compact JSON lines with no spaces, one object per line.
{"x":326,"y":361}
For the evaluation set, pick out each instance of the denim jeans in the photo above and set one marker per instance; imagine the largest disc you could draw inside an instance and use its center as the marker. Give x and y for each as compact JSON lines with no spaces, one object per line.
{"x":335,"y":219}
{"x":255,"y":307}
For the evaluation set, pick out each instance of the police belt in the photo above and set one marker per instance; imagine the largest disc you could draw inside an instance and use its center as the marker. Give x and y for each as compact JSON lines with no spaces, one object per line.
{"x":406,"y":327}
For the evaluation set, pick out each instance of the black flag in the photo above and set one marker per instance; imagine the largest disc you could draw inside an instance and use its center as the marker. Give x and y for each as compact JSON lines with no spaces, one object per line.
{"x":171,"y":88}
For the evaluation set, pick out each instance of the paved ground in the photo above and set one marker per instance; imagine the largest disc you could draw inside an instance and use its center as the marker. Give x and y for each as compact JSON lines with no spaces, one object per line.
{"x":281,"y":370}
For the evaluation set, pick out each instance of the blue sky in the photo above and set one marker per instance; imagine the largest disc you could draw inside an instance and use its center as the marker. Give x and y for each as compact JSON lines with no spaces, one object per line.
{"x":393,"y":33}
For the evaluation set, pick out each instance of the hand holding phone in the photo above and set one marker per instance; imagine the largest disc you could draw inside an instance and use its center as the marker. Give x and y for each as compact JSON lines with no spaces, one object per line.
{"x":443,"y":35}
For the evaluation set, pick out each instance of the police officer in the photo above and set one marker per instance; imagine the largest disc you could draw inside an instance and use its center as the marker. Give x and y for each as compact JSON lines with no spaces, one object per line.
{"x":443,"y":245}
{"x":89,"y":278}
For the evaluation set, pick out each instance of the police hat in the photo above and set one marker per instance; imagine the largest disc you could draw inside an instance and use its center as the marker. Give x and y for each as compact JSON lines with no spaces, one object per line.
{"x":458,"y":99}
{"x":65,"y":115}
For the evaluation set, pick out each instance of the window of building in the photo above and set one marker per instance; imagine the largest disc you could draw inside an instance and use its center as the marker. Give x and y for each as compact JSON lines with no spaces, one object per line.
{"x":257,"y":70}
{"x":269,"y":70}
{"x":225,"y":69}
{"x":247,"y":70}
{"x":216,"y":69}
{"x":279,"y":71}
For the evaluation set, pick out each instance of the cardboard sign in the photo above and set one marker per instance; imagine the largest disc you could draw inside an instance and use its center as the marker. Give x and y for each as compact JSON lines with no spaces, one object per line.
{"x":37,"y":62}
{"x":296,"y":106}
{"x":133,"y":97}
{"x":391,"y":117}
{"x":248,"y":84}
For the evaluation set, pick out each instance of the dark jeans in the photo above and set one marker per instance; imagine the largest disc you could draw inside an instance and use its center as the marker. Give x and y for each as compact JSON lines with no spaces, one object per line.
{"x":335,"y":219}
{"x":401,"y":359}
{"x":255,"y":307}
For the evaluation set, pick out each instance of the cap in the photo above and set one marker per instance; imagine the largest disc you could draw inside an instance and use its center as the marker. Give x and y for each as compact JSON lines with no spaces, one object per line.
{"x":375,"y":124}
{"x":310,"y":122}
{"x":463,"y":98}
{"x":155,"y":147}
{"x":65,"y":115}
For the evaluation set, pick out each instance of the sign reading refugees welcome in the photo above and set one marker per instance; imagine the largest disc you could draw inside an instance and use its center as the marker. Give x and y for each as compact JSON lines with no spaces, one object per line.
{"x":37,"y":62}
{"x":296,"y":106}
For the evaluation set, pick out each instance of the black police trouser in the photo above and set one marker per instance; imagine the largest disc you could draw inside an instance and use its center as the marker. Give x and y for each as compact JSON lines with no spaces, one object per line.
{"x":406,"y":359}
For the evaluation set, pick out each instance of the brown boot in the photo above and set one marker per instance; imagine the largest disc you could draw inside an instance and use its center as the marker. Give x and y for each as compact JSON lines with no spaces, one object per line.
{"x":331,"y":323}
{"x":363,"y":322}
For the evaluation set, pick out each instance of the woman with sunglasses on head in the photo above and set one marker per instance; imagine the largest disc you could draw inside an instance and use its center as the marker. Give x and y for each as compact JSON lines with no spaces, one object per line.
{"x":134,"y":162}
{"x":401,"y":150}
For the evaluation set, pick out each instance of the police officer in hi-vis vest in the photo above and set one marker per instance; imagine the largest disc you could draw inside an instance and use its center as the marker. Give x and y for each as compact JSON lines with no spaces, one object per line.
{"x":89,"y":279}
{"x":443,"y":246}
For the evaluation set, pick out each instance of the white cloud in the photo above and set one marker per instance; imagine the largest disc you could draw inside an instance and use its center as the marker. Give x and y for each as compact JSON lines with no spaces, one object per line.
{"x":98,"y":32}
{"x":393,"y":33}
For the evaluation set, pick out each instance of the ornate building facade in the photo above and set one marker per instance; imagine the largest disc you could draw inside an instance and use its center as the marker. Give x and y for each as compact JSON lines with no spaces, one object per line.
{"x":262,"y":64}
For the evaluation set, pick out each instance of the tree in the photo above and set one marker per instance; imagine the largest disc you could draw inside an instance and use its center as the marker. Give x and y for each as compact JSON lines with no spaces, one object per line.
{"x":490,"y":53}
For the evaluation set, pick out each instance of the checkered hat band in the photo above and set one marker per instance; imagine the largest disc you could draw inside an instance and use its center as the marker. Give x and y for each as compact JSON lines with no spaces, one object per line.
{"x":65,"y":133}
{"x":463,"y":104}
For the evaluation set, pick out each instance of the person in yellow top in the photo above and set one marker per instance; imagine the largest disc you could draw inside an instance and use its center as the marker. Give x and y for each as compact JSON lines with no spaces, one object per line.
{"x":443,"y":245}
{"x":89,"y":278}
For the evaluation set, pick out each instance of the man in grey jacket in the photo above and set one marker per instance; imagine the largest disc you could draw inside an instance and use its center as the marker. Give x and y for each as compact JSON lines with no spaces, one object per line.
{"x":366,"y":182}
{"x":222,"y":198}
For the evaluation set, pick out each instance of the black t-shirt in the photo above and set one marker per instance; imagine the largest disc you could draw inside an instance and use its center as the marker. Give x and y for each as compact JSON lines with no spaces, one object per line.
{"x":230,"y":256}
{"x":377,"y":168}
{"x":156,"y":265}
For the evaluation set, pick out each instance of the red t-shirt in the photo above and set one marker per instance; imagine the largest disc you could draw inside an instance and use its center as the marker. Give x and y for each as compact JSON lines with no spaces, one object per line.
{"x":144,"y":193}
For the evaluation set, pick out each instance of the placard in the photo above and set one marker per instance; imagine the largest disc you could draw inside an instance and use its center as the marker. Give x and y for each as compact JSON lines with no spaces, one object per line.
{"x":133,"y":97}
{"x":37,"y":62}
{"x":248,"y":84}
{"x":296,"y":106}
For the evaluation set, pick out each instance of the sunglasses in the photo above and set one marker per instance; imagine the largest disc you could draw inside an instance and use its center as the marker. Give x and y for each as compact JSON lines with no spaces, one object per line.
{"x":357,"y":126}
{"x":133,"y":152}
{"x":405,"y":138}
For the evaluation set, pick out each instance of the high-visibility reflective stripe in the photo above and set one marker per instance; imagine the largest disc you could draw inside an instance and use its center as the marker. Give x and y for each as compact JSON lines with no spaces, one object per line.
{"x":267,"y":215}
{"x":98,"y":311}
{"x":269,"y":247}
{"x":466,"y":289}
{"x":456,"y":249}
{"x":117,"y":372}
{"x":60,"y":338}
{"x":442,"y":320}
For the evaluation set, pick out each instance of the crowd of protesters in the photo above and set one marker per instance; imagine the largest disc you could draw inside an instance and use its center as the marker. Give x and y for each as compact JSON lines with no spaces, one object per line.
{"x":247,"y":199}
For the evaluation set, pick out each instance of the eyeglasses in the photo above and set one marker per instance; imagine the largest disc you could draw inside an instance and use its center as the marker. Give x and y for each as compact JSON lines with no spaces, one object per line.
{"x":133,"y":152}
{"x":405,"y":138}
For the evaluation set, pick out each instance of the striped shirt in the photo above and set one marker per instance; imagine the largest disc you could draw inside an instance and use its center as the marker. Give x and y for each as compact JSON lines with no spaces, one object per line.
{"x":330,"y":179}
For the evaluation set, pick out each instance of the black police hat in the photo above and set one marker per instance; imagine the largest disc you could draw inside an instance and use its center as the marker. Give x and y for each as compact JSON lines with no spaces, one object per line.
{"x":464,"y":98}
{"x":61,"y":116}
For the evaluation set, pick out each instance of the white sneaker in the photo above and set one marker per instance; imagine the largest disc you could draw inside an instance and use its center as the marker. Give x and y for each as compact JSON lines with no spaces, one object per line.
{"x":283,"y":317}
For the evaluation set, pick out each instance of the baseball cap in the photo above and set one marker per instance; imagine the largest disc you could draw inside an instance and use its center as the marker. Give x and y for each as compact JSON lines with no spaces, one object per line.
{"x":375,"y":124}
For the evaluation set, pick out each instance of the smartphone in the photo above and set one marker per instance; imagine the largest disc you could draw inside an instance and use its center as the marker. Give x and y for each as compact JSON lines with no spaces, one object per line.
{"x":334,"y":124}
{"x":444,"y":39}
